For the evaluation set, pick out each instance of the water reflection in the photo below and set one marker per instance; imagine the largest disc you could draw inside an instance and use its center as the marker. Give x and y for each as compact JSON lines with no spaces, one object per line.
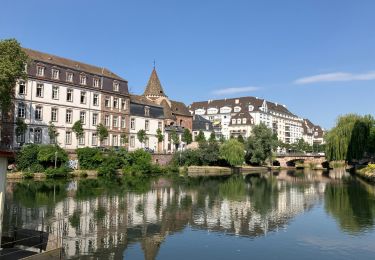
{"x":104,"y":217}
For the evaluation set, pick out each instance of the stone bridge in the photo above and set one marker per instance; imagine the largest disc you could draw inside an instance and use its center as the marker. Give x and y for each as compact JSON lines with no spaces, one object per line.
{"x":285,"y":160}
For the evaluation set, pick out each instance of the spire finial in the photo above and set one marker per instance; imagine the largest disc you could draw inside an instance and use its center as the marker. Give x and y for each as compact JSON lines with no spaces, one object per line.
{"x":154,"y":64}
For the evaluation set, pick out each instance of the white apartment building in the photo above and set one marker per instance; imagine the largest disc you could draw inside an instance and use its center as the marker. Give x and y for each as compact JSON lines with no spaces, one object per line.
{"x":285,"y":124}
{"x":60,"y":91}
{"x":145,"y":115}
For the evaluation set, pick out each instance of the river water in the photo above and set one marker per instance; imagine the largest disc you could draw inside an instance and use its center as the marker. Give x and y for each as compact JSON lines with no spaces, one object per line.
{"x":279,"y":215}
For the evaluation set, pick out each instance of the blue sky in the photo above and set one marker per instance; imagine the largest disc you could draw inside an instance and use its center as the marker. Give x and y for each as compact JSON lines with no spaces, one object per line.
{"x":315,"y":56}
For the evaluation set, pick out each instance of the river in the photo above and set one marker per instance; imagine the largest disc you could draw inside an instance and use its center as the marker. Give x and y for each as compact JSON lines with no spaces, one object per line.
{"x":280,"y":215}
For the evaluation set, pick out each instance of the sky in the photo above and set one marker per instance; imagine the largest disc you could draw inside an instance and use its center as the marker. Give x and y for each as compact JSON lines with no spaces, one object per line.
{"x":315,"y":56}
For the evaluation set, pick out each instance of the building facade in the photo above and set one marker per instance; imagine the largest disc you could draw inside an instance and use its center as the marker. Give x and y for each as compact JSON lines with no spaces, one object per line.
{"x":60,"y":92}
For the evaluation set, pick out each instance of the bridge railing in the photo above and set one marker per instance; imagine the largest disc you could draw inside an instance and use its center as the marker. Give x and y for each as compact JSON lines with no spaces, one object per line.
{"x":300,"y":154}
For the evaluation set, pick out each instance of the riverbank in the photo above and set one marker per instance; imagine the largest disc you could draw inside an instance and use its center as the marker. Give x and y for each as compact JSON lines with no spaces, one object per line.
{"x":367,"y":173}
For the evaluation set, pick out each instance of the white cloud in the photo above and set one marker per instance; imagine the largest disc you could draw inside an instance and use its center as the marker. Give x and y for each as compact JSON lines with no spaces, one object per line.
{"x":337,"y":76}
{"x":229,"y":91}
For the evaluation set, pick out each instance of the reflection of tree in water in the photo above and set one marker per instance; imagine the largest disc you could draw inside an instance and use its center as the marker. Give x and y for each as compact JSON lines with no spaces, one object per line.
{"x":351,"y":205}
{"x":263,"y":195}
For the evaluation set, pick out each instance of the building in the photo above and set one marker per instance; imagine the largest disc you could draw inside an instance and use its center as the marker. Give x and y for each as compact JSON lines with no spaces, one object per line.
{"x":61,"y":91}
{"x":312,"y":134}
{"x":145,"y":115}
{"x":248,"y":111}
{"x":202,"y":124}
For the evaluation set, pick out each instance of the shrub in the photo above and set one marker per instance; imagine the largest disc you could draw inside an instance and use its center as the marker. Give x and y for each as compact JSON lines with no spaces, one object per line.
{"x":206,"y":154}
{"x":27,"y":156}
{"x":36,"y":167}
{"x":47,"y":154}
{"x":109,"y":166}
{"x":27,"y":175}
{"x":138,"y":163}
{"x":89,"y":158}
{"x":233,"y":152}
{"x":62,"y":171}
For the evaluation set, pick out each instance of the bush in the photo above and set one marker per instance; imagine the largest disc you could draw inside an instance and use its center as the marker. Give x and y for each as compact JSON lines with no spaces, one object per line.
{"x":206,"y":154}
{"x":62,"y":171}
{"x":47,"y":154}
{"x":138,"y":163}
{"x":27,"y":156}
{"x":109,"y":166}
{"x":233,"y":152}
{"x":89,"y":158}
{"x":36,"y":167}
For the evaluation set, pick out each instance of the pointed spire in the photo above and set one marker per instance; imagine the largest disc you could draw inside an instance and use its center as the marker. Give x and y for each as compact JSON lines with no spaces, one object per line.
{"x":154,"y":88}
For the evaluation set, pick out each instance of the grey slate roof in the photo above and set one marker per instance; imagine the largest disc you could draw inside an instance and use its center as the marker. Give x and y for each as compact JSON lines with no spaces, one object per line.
{"x":199,"y":123}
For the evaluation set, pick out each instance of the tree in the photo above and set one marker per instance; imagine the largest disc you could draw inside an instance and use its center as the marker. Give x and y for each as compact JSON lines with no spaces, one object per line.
{"x":222,"y":139}
{"x":21,"y":127}
{"x":78,"y":129}
{"x":260,"y":144}
{"x":240,"y":139}
{"x":187,"y":136}
{"x":159,"y":136}
{"x":52,"y":133}
{"x":12,"y":68}
{"x":301,"y":146}
{"x":102,"y":132}
{"x":175,"y":138}
{"x":348,"y":140}
{"x":212,"y":138}
{"x":124,"y":138}
{"x":233,"y":152}
{"x":200,"y":138}
{"x":141,"y":135}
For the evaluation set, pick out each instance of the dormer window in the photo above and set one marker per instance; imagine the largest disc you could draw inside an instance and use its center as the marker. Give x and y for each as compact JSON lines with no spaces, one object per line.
{"x":96,"y":82}
{"x":239,"y":121}
{"x":147,"y":111}
{"x":40,"y":71}
{"x":69,"y":77}
{"x":116,"y":86}
{"x":237,"y":101}
{"x":82,"y":80}
{"x":55,"y":74}
{"x":234,"y":121}
{"x":244,"y":120}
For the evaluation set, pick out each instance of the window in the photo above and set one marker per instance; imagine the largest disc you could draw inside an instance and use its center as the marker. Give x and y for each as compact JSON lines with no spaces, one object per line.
{"x":132,"y":124}
{"x":106,"y":120}
{"x":132,"y":141}
{"x":96,"y":82}
{"x":54,"y":112}
{"x":233,"y":121}
{"x":107,"y":102}
{"x":40,"y":71}
{"x":21,"y":138}
{"x":38,"y":113}
{"x":124,"y":104}
{"x":115,"y":102}
{"x":94,"y":119}
{"x":83,"y":97}
{"x":55,"y":74}
{"x":115,"y":121}
{"x":147,"y":111}
{"x":147,"y":143}
{"x":147,"y":123}
{"x":69,"y":116}
{"x":82,"y":117}
{"x":69,"y":95}
{"x":95,"y":100}
{"x":115,"y":140}
{"x":38,"y":135}
{"x":22,"y":88}
{"x":105,"y":141}
{"x":82,"y":79}
{"x":55,"y":92}
{"x":68,"y":137}
{"x":160,"y":125}
{"x":123,"y":122}
{"x":94,"y":139}
{"x":69,"y":77}
{"x":81,"y":140}
{"x":39,"y":90}
{"x":116,"y":86}
{"x":21,"y":110}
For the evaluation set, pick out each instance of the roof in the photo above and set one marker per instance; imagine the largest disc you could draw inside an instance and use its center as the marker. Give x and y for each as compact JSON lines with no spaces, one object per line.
{"x":200,"y":123}
{"x":75,"y":65}
{"x":154,"y":87}
{"x":179,"y":108}
{"x":241,"y":115}
{"x":243,"y":102}
{"x":142,"y":100}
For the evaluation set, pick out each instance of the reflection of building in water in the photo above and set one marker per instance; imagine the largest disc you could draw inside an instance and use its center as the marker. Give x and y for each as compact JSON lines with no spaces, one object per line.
{"x":109,"y":223}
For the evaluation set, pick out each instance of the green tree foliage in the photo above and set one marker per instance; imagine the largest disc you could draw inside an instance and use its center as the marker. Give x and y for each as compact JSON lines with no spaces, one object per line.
{"x":124,"y":138}
{"x":27,"y":156}
{"x":260,"y":145}
{"x":233,"y":152}
{"x":89,"y":158}
{"x":78,"y":129}
{"x":175,"y":138}
{"x":47,"y":153}
{"x":141,"y":136}
{"x":240,"y":139}
{"x":159,"y":135}
{"x":207,"y":154}
{"x":102,"y":132}
{"x":200,"y":138}
{"x":301,"y":146}
{"x":222,"y":139}
{"x":212,"y":138}
{"x":52,"y":132}
{"x":187,"y":136}
{"x":349,"y":139}
{"x":138,"y":163}
{"x":12,"y":68}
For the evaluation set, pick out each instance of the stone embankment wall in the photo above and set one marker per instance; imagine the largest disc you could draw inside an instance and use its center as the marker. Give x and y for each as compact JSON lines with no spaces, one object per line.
{"x":162,"y":159}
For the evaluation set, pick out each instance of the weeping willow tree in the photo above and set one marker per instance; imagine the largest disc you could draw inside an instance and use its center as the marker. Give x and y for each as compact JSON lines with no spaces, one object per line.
{"x":348,"y":140}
